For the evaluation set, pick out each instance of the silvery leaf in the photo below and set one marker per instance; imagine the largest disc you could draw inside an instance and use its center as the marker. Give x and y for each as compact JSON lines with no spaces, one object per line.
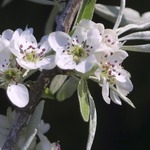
{"x":92,"y":122}
{"x":145,"y":35}
{"x":137,"y":48}
{"x":67,"y":89}
{"x":57,"y":82}
{"x":132,"y":27}
{"x":130,"y":16}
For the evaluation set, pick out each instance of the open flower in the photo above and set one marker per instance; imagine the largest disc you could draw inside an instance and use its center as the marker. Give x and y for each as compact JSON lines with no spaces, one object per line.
{"x":112,"y":74}
{"x":109,"y":39}
{"x":30,"y":54}
{"x":10,"y":75}
{"x":76,"y":52}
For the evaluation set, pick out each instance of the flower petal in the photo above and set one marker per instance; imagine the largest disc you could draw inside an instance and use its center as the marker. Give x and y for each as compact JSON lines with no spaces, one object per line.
{"x":26,"y":64}
{"x":117,"y":57}
{"x":4,"y":57}
{"x":58,"y":41}
{"x":27,"y":38}
{"x":47,"y":63}
{"x":124,"y":88}
{"x":7,"y":36}
{"x":86,"y":65}
{"x":85,"y":23}
{"x":18,"y":94}
{"x":105,"y":91}
{"x":79,"y":36}
{"x":93,"y":39}
{"x":115,"y":98}
{"x":65,"y":62}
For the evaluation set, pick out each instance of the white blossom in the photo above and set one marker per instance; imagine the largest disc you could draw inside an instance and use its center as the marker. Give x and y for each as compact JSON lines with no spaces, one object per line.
{"x":30,"y":54}
{"x":110,"y":57}
{"x":75,"y":52}
{"x":10,"y":73}
{"x":109,"y":40}
{"x":111,"y":73}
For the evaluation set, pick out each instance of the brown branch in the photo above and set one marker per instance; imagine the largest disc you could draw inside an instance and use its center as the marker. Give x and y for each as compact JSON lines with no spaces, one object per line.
{"x":65,"y":20}
{"x":24,"y":114}
{"x":64,"y":23}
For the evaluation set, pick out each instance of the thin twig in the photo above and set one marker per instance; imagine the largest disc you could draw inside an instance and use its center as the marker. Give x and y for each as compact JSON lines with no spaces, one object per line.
{"x":63,"y":24}
{"x":65,"y":20}
{"x":23,"y":115}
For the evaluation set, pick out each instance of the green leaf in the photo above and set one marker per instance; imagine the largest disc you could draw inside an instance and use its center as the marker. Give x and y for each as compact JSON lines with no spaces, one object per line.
{"x":92,"y":122}
{"x":83,"y":99}
{"x":67,"y":89}
{"x":57,"y":82}
{"x":86,"y":10}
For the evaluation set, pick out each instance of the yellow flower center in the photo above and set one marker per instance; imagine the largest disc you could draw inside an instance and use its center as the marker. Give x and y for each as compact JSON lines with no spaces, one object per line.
{"x":78,"y":53}
{"x":107,"y":73}
{"x":31,"y":57}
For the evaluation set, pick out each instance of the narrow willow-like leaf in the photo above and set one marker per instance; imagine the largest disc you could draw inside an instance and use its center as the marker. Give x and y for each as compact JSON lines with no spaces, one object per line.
{"x":108,"y":12}
{"x":92,"y":122}
{"x":132,"y":26}
{"x":57,"y":82}
{"x":137,"y":48}
{"x":86,"y":10}
{"x":130,"y":16}
{"x":83,"y":99}
{"x":144,"y":35}
{"x":67,"y":89}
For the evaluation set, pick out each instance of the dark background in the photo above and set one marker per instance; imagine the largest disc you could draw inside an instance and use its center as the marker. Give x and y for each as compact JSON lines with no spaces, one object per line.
{"x":119,"y":127}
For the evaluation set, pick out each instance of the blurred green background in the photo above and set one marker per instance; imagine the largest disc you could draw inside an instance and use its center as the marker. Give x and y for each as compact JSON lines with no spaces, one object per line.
{"x":119,"y":127}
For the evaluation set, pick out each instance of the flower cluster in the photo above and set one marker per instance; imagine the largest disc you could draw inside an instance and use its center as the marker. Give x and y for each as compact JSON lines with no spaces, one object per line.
{"x":42,"y":128}
{"x":91,"y":50}
{"x":20,"y":54}
{"x":95,"y":50}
